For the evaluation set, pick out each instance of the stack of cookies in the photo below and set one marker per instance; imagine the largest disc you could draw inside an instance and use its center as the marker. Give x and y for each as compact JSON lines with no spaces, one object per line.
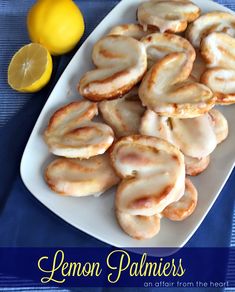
{"x":155,"y":85}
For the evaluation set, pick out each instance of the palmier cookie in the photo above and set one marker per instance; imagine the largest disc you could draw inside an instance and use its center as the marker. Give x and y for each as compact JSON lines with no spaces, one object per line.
{"x":167,"y":90}
{"x":153,"y":174}
{"x":220,"y":125}
{"x":139,"y":227}
{"x":121,"y":63}
{"x":194,"y":137}
{"x":183,"y":208}
{"x":195,"y":166}
{"x":133,"y":30}
{"x":218,"y":51}
{"x":70,"y":133}
{"x":167,"y":15}
{"x":159,"y":45}
{"x":199,"y":67}
{"x":123,"y":115}
{"x":216,"y":21}
{"x":143,"y":227}
{"x":75,"y":177}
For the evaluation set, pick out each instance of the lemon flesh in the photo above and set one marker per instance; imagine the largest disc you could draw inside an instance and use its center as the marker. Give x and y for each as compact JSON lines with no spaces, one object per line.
{"x":56,"y":24}
{"x":30,"y":68}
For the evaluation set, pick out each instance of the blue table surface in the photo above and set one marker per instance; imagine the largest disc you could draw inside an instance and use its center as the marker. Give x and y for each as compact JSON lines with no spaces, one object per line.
{"x":23,"y":220}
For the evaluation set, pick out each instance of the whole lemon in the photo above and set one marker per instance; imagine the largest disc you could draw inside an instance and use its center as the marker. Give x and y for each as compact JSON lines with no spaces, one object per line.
{"x":56,"y":24}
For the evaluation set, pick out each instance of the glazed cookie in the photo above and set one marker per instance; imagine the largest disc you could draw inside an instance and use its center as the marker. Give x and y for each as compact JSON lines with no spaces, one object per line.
{"x":71,"y":133}
{"x":121,"y":62}
{"x":79,"y":178}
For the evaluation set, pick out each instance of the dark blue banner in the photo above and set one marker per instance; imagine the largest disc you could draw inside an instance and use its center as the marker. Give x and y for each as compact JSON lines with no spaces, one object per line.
{"x":100,"y":267}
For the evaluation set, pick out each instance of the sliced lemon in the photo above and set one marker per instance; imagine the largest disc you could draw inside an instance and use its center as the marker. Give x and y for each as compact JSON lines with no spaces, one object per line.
{"x":30,"y":68}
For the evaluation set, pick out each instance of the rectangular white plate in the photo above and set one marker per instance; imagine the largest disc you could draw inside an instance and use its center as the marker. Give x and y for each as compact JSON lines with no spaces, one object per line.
{"x":95,"y":216}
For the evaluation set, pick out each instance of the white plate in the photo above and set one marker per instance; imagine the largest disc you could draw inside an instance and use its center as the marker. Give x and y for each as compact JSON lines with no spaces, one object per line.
{"x":95,"y":216}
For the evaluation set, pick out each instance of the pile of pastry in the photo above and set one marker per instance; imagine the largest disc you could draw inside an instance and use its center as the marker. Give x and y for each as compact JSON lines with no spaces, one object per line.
{"x":154,"y":84}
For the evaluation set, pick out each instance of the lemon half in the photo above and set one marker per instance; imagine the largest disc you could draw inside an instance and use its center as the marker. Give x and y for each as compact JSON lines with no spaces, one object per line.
{"x":30,"y":68}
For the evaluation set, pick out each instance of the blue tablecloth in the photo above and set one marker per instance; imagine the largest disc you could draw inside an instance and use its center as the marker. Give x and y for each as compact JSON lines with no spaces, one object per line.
{"x":23,"y":220}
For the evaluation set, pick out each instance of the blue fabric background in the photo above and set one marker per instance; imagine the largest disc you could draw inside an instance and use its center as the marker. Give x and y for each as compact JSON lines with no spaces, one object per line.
{"x":23,"y":220}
